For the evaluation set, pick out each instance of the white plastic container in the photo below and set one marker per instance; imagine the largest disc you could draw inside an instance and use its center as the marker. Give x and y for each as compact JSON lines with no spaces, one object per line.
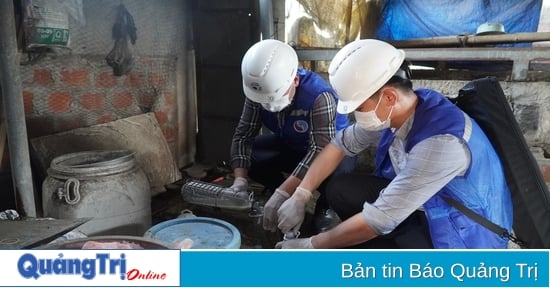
{"x":106,"y":186}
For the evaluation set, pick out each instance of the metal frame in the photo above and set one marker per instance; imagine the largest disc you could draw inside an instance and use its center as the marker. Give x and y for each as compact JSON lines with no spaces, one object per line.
{"x":521,"y":57}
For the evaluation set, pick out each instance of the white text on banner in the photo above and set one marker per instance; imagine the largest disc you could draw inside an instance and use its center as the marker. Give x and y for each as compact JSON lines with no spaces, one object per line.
{"x":364,"y":268}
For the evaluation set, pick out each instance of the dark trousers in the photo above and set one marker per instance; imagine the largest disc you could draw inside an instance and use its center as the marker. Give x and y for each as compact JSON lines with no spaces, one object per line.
{"x":346,"y":194}
{"x":271,"y":158}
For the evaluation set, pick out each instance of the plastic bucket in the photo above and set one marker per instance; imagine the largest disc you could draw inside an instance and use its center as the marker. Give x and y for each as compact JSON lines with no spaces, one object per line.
{"x":206,"y":233}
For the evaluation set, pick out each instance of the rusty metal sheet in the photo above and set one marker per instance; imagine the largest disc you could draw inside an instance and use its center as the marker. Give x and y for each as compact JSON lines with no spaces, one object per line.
{"x":34,"y":232}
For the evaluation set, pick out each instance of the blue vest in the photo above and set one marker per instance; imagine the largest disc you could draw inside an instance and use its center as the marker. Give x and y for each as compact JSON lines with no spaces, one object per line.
{"x":483,"y":188}
{"x":294,"y":132}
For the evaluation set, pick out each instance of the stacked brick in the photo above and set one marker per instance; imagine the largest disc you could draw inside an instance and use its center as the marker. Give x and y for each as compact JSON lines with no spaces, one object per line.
{"x":72,"y":93}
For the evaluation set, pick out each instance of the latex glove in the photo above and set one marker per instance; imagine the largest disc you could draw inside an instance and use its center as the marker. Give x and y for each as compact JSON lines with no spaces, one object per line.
{"x":240,"y":184}
{"x":292,"y":212}
{"x":298,"y":243}
{"x":271,"y":207}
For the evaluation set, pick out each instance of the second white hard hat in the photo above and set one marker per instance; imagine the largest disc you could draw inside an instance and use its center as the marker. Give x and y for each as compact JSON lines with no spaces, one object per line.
{"x":268,"y":69}
{"x":360,"y":68}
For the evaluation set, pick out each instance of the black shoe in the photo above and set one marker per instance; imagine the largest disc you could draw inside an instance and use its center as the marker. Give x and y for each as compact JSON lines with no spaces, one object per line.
{"x":325,"y":219}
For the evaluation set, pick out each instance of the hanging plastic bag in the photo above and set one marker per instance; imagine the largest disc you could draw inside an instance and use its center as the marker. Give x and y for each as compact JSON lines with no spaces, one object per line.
{"x":120,"y":58}
{"x":46,"y":23}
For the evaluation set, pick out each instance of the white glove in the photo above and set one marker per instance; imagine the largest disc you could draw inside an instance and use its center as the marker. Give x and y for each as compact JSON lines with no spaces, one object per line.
{"x":240,"y":184}
{"x":298,"y":243}
{"x":292,"y":212}
{"x":271,"y":207}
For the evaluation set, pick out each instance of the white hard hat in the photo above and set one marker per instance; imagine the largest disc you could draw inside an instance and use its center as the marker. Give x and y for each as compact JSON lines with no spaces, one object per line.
{"x":360,"y":68}
{"x":268,"y":69}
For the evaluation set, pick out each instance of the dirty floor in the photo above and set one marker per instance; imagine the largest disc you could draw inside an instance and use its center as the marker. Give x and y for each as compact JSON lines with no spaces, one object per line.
{"x":170,"y":204}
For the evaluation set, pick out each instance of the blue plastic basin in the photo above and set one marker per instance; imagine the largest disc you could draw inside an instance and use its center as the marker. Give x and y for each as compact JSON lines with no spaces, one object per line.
{"x":206,"y":233}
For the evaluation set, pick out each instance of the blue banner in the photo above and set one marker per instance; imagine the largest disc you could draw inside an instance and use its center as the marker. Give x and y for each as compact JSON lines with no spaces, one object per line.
{"x":364,"y":268}
{"x":275,"y":268}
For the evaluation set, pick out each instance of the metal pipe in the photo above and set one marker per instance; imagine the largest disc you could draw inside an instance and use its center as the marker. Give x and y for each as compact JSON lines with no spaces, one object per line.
{"x":521,"y":57}
{"x":471,"y":40}
{"x":14,"y":112}
{"x":266,"y":19}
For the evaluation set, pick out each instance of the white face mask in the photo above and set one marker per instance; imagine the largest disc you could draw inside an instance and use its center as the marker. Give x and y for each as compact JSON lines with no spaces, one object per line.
{"x":369,"y":120}
{"x":278,"y":105}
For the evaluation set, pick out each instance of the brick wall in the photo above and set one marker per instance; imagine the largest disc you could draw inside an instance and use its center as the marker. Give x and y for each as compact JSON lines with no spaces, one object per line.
{"x":71,"y":88}
{"x":63,"y":93}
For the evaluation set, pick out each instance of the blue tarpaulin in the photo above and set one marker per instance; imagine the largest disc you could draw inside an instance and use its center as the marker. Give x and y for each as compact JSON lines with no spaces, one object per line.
{"x":411,"y":19}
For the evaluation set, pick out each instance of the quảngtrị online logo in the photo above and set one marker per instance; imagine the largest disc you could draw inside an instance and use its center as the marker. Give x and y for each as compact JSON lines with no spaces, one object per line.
{"x":29,"y":266}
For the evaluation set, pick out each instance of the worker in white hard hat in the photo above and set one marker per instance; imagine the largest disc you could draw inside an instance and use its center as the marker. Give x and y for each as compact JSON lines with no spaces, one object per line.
{"x":429,"y":154}
{"x":299,"y":108}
